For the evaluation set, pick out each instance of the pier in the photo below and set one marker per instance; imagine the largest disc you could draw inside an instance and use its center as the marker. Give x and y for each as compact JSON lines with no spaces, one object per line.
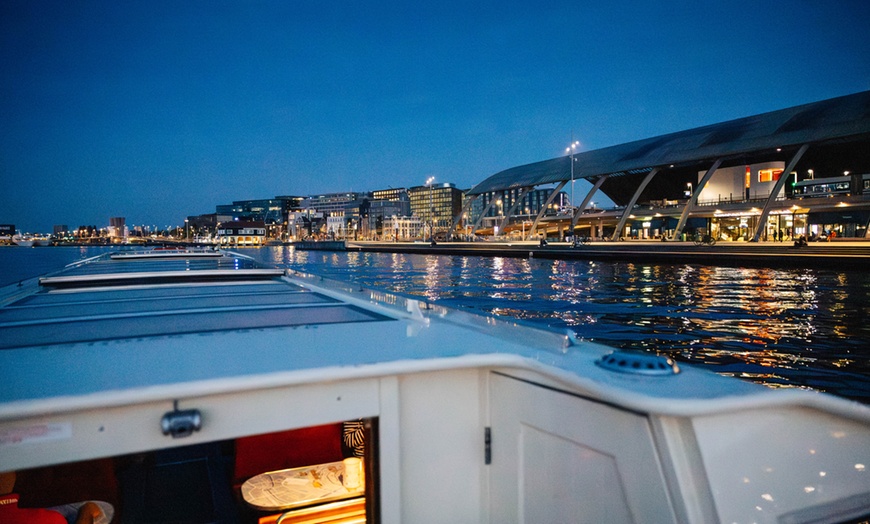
{"x":852,"y":255}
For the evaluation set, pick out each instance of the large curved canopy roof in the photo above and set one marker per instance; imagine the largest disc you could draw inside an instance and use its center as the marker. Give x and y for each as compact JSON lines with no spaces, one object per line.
{"x":841,"y":119}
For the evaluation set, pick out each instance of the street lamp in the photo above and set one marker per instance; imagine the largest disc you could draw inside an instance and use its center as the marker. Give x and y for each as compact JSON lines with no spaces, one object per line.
{"x":571,"y":149}
{"x":431,"y":209}
{"x":500,"y":213}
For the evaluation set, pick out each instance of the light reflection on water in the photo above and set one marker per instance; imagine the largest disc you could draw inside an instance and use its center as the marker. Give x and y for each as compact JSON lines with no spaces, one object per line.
{"x":783,"y":328}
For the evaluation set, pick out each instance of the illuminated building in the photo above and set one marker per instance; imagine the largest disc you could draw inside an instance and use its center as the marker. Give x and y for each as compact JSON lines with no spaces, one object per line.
{"x":436,"y":204}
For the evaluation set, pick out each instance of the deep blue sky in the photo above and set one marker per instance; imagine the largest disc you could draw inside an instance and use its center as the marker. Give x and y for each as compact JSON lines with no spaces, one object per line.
{"x":158,"y":110}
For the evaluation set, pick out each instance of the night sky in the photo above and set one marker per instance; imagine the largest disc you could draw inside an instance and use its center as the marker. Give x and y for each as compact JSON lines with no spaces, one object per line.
{"x":157,"y":110}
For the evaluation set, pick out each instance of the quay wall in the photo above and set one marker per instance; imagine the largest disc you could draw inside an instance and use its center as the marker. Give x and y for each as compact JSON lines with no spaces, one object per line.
{"x":842,"y":255}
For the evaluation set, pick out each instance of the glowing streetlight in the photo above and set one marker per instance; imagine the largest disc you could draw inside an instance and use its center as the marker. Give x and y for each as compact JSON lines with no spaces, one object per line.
{"x":429,"y":182}
{"x":498,"y":221}
{"x":571,"y":149}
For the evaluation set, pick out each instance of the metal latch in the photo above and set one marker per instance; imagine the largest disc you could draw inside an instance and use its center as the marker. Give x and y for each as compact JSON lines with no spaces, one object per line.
{"x":181,"y":423}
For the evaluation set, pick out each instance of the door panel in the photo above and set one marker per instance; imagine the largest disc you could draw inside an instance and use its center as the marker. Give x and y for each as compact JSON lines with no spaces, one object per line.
{"x":560,"y":458}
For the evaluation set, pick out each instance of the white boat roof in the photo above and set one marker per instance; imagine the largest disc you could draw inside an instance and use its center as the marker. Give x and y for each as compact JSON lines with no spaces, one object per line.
{"x":111,"y":331}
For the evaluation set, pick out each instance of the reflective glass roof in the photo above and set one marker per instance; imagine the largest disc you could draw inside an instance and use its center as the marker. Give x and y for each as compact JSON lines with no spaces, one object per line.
{"x":108,"y":299}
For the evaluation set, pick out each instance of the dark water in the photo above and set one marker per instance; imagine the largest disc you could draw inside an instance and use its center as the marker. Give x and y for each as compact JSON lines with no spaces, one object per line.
{"x":781,"y":327}
{"x":20,"y":263}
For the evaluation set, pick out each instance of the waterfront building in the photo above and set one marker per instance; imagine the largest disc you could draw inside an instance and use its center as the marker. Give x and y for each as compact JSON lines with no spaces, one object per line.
{"x":436,"y":205}
{"x":273,"y":212}
{"x":7,"y":230}
{"x":202,"y":227}
{"x":794,"y":172}
{"x":263,"y":209}
{"x":292,"y":202}
{"x":304,"y":224}
{"x":85,"y":232}
{"x":404,"y":228}
{"x":391,"y":194}
{"x":376,"y":214}
{"x":343,"y":212}
{"x":117,"y":228}
{"x":332,"y":203}
{"x":241,"y":233}
{"x":336,"y":226}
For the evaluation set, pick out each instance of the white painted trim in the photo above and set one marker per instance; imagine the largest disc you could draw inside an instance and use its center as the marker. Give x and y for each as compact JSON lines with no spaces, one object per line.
{"x":389,"y":428}
{"x":150,"y":275}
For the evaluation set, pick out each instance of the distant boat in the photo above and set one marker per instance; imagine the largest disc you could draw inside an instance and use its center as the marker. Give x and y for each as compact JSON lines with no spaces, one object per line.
{"x":23,"y":240}
{"x":31,"y":240}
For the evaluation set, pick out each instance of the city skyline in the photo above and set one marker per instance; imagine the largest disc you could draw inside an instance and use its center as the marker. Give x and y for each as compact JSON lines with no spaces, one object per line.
{"x":159,"y":111}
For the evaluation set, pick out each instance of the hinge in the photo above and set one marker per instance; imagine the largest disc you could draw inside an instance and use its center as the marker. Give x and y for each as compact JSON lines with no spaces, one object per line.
{"x":487,"y":445}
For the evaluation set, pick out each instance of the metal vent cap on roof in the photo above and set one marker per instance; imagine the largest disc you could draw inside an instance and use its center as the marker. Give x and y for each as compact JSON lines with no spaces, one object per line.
{"x":638,"y":364}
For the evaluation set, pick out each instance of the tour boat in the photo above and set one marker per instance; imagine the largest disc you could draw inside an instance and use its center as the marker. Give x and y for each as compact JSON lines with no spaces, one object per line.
{"x":212,"y":389}
{"x":31,"y":240}
{"x":23,"y":240}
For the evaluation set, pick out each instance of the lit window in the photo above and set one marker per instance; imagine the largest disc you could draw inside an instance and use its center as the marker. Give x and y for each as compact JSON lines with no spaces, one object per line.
{"x":769,"y":175}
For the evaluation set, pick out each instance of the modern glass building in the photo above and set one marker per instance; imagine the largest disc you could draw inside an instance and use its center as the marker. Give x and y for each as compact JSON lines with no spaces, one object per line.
{"x":270,"y":211}
{"x":391,"y":194}
{"x":436,"y":204}
{"x":333,"y":204}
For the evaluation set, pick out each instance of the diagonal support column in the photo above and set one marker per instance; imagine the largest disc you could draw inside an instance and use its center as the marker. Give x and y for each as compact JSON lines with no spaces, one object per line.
{"x":465,"y":207}
{"x":579,"y":210}
{"x":486,"y":209}
{"x":762,"y":220}
{"x":630,"y":206}
{"x":694,"y":198}
{"x":544,"y":207}
{"x":483,"y":213}
{"x":510,"y":211}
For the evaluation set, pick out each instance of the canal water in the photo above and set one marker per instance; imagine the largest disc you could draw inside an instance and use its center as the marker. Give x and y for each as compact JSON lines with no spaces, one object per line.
{"x":798,"y":328}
